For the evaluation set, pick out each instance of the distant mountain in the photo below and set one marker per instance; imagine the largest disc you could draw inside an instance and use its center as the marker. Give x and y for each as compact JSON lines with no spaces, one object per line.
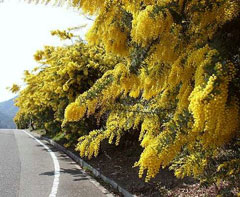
{"x":7,"y":112}
{"x":6,"y":122}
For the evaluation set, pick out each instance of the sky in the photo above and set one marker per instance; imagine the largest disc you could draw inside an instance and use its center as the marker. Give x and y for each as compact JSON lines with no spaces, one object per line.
{"x":24,"y":29}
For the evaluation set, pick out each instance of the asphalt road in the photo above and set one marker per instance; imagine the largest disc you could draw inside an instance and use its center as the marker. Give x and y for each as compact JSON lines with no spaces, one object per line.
{"x":28,"y":169}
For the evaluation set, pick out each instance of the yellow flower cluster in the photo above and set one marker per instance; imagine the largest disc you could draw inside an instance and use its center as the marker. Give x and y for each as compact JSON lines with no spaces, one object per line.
{"x":63,"y":35}
{"x":74,"y":112}
{"x":90,"y":144}
{"x":109,"y":31}
{"x":143,"y":32}
{"x":15,"y":88}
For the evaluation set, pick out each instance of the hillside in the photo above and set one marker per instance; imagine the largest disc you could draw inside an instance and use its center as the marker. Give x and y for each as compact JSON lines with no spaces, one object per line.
{"x":7,"y":113}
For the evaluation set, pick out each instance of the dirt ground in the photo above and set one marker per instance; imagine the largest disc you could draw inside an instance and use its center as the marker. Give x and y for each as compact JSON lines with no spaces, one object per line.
{"x":118,"y":165}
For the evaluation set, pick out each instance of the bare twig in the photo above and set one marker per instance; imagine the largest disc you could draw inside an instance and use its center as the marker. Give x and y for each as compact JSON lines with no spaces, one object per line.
{"x":107,"y":155}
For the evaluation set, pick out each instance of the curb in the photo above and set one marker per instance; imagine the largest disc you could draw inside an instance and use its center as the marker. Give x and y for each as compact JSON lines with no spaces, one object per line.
{"x":84,"y":164}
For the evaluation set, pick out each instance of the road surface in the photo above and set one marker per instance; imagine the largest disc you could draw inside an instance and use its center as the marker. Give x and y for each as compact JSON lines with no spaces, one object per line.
{"x":32,"y":168}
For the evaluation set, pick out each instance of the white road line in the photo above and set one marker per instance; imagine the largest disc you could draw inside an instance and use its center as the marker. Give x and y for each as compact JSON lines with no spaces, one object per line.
{"x":56,"y":166}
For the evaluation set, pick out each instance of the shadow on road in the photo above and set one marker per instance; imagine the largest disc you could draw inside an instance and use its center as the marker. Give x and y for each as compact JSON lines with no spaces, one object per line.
{"x":50,"y":146}
{"x":75,"y":173}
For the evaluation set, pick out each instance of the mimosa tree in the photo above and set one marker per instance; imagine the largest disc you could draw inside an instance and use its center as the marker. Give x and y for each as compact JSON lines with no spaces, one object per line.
{"x":177,"y":82}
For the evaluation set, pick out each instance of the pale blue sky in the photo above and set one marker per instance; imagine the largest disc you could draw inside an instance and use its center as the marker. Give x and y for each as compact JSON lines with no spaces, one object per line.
{"x":25,"y":28}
